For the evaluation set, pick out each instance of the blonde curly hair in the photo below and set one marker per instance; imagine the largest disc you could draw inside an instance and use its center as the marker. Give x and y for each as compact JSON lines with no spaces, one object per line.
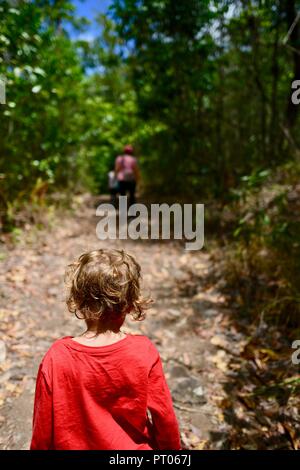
{"x":104,"y":286}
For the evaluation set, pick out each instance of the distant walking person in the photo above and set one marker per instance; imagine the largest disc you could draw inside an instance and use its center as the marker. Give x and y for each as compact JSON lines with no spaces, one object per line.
{"x":127,"y":173}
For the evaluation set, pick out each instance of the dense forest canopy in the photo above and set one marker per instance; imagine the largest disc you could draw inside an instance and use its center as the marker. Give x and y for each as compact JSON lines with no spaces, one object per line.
{"x":201,"y":88}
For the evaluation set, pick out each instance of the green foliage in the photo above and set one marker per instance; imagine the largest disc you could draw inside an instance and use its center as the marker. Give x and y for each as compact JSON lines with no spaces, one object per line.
{"x":172,"y":70}
{"x":216,"y":77}
{"x":108,"y":116}
{"x":200,"y":89}
{"x":263,"y":258}
{"x":39,"y":124}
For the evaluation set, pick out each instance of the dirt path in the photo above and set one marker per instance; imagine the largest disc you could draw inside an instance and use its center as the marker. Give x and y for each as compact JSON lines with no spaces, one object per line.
{"x":183,"y":323}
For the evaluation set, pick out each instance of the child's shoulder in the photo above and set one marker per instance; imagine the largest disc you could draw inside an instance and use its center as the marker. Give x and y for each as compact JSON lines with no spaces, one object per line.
{"x":59,"y":343}
{"x":136,"y":341}
{"x":144,"y":342}
{"x":52,"y":356}
{"x":143,"y":339}
{"x":56,"y":347}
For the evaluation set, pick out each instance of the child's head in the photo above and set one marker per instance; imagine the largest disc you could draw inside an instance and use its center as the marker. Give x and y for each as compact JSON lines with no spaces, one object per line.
{"x":104,"y":286}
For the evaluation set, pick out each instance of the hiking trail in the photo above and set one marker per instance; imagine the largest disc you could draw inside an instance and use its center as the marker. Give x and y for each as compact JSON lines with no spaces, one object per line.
{"x":184,"y":322}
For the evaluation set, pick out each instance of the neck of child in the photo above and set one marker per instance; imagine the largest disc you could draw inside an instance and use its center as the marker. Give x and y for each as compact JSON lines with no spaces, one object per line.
{"x":94,"y":336}
{"x":103,"y":329}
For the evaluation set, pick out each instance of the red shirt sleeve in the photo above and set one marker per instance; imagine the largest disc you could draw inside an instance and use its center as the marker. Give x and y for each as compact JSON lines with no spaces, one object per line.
{"x":160,"y":405}
{"x":42,"y":415}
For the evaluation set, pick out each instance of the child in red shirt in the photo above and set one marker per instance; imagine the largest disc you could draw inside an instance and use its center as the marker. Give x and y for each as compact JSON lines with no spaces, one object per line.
{"x":103,"y":389}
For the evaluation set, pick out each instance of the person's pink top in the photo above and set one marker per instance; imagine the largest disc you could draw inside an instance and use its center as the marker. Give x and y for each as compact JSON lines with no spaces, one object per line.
{"x":94,"y":398}
{"x":127,"y":163}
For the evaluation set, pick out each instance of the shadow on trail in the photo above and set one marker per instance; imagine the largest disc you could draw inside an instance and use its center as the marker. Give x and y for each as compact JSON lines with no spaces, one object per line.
{"x":258,"y":404}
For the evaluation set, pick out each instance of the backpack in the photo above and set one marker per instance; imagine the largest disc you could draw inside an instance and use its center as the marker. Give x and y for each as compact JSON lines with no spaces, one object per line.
{"x":127,"y":172}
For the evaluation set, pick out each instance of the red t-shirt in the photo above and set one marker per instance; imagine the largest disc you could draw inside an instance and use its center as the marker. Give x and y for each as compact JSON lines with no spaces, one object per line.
{"x":95,"y":398}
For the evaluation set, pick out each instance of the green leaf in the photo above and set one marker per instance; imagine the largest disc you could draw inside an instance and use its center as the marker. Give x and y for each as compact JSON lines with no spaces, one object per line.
{"x":36,"y":89}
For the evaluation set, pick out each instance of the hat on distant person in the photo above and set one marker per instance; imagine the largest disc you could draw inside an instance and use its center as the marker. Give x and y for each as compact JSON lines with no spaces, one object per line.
{"x":128,"y":149}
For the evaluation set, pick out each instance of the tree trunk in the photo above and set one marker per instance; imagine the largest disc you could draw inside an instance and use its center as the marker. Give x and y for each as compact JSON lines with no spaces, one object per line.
{"x":294,"y":42}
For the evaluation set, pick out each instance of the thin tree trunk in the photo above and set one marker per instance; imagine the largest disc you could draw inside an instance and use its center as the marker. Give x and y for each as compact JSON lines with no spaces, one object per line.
{"x":294,"y":42}
{"x":273,"y":131}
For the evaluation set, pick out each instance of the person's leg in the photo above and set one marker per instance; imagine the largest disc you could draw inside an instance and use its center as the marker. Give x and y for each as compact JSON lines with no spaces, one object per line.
{"x":131,"y":187}
{"x":113,"y":196}
{"x":122,"y":188}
